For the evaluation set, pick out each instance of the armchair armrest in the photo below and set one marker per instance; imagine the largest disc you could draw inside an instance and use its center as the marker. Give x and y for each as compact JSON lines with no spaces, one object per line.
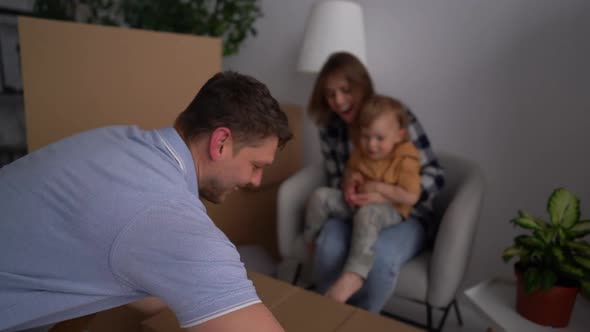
{"x":291,"y":201}
{"x":452,"y":248}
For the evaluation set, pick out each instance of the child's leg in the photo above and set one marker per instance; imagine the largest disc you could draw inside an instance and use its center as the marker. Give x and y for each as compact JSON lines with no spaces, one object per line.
{"x":367,"y":223}
{"x":323,"y":203}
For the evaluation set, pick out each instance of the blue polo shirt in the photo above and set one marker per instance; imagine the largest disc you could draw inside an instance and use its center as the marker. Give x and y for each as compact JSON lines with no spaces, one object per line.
{"x":107,"y":217}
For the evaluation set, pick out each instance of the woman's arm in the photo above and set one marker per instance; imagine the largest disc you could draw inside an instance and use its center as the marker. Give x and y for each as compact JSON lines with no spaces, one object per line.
{"x":431,"y":173}
{"x":393,"y":193}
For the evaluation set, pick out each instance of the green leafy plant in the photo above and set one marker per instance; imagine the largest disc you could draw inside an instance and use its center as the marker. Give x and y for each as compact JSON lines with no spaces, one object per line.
{"x":555,"y":253}
{"x":232,"y":20}
{"x":90,"y":11}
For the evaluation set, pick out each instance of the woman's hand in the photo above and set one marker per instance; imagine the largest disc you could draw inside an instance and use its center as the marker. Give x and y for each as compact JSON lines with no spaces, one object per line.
{"x":371,"y":186}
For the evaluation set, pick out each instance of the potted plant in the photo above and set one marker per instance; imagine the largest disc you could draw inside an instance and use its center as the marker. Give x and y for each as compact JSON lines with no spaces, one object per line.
{"x":553,"y":261}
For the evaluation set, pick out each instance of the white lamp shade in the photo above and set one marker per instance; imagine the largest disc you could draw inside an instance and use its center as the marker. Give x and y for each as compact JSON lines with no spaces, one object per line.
{"x":333,"y":26}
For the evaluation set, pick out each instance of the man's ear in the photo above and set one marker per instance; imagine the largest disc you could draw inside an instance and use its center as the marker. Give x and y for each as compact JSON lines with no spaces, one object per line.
{"x":220,"y":143}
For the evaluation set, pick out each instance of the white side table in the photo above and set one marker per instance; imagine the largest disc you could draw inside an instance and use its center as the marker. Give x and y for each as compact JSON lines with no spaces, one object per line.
{"x":496,"y":299}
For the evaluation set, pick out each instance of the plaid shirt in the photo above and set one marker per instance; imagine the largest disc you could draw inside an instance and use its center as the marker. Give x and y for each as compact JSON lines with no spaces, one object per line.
{"x":335,"y":147}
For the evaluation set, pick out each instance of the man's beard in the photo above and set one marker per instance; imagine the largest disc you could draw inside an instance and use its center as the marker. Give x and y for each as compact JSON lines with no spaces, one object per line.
{"x":213,"y":191}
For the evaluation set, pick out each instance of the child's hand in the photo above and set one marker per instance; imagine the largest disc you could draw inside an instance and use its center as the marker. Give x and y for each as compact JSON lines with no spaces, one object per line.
{"x":373,"y":197}
{"x":352,"y":179}
{"x":350,"y":186}
{"x":350,"y":196}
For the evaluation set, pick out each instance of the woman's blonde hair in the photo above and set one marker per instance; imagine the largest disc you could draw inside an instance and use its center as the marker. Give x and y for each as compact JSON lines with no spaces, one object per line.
{"x":355,"y":73}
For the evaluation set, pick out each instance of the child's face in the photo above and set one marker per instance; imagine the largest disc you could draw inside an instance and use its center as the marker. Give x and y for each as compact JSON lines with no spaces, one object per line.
{"x":380,"y":137}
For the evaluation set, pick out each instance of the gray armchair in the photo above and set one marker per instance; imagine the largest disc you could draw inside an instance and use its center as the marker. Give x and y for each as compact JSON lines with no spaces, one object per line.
{"x":434,"y":276}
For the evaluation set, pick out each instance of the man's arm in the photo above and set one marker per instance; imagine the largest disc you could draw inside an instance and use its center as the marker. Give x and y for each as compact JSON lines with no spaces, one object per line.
{"x":253,"y":318}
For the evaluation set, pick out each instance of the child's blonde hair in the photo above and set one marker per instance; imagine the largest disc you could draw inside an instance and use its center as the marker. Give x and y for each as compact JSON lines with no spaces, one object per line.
{"x":378,"y":105}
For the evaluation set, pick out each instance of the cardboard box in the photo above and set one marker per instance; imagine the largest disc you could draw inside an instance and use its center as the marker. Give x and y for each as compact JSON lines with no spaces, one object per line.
{"x":290,"y":159}
{"x":297,"y":309}
{"x":81,"y":76}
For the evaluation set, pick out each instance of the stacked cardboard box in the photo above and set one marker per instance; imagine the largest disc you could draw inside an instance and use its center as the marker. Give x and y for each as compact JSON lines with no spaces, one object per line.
{"x":299,"y":310}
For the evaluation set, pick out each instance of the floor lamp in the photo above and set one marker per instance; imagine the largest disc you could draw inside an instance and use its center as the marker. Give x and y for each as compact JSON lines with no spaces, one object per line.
{"x":332,"y":26}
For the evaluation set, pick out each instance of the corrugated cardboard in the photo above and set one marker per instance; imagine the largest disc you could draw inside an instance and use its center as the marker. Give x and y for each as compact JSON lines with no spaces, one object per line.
{"x":296,"y":310}
{"x":81,"y":76}
{"x":290,"y":159}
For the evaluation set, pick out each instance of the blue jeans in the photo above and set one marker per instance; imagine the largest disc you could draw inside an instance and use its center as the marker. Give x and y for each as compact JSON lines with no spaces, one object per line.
{"x":395,"y":246}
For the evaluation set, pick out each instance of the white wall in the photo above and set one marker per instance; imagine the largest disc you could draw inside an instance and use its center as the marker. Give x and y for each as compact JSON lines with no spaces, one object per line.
{"x":505,"y":83}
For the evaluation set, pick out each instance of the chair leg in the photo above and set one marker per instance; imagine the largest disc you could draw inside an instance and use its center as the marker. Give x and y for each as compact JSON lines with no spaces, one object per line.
{"x":458,"y":312}
{"x":429,"y":325}
{"x":297,"y":273}
{"x":444,"y":317}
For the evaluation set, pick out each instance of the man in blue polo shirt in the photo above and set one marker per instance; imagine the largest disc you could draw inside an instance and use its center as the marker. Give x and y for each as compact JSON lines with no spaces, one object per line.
{"x":113,"y":215}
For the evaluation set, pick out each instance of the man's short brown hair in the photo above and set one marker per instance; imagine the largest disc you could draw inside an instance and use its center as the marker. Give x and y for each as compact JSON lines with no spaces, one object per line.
{"x":238,"y":102}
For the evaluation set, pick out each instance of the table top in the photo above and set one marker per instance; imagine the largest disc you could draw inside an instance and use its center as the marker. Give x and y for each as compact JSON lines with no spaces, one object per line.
{"x":496,"y":299}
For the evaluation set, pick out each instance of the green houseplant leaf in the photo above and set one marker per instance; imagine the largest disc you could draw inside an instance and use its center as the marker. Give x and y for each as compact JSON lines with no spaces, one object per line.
{"x":563,"y":207}
{"x":581,"y":229}
{"x":540,"y":222}
{"x":532,"y":280}
{"x":586,"y":289}
{"x":582,"y":248}
{"x":548,"y":279}
{"x":584,"y":262}
{"x":513,"y":251}
{"x":531,"y":242}
{"x":526,"y":223}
